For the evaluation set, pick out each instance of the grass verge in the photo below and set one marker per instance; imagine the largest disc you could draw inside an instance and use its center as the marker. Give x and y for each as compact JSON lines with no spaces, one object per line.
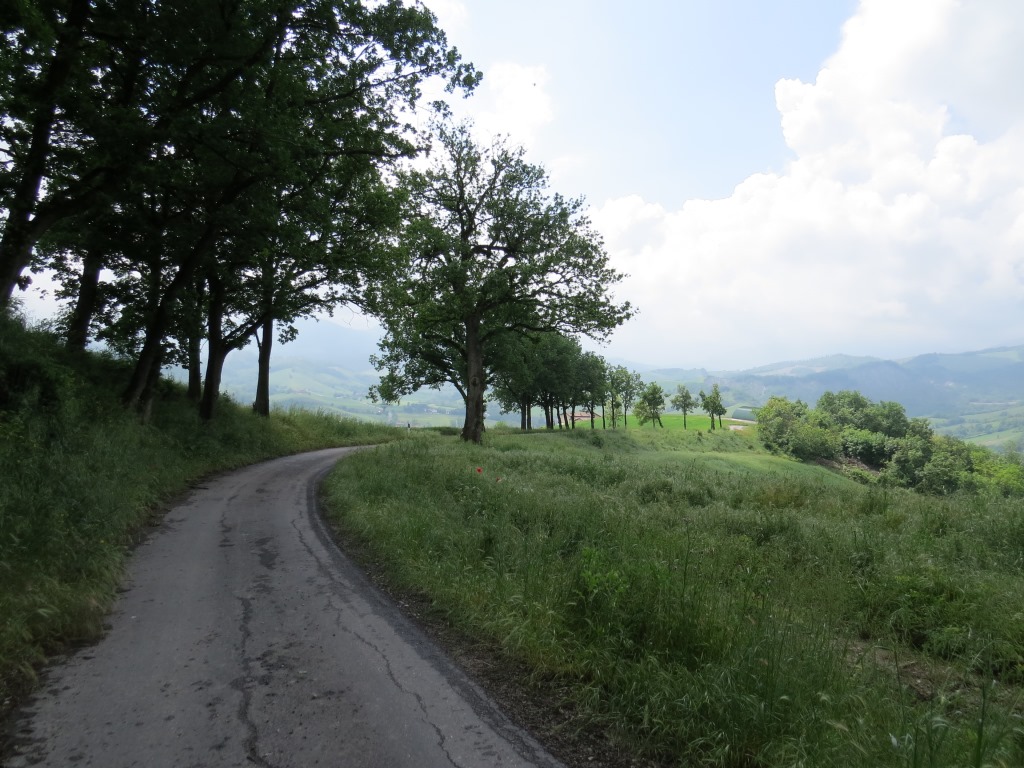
{"x":708,"y":604}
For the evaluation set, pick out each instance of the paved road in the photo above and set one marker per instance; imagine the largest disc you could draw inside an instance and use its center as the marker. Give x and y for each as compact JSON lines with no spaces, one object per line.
{"x":245,"y":638}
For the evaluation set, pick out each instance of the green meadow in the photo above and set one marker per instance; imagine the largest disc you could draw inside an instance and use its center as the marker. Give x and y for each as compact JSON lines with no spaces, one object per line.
{"x":707,"y":603}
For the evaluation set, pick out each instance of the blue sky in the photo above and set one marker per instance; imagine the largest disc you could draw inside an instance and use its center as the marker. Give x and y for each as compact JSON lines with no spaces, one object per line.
{"x":670,"y":100}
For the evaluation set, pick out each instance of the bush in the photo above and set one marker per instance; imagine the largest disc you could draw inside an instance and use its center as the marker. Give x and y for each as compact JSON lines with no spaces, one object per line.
{"x":871,"y":448}
{"x":808,"y":442}
{"x":909,"y":456}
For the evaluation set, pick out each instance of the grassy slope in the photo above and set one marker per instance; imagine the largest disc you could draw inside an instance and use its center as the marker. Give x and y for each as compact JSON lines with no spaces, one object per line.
{"x":709,"y":603}
{"x":81,"y":477}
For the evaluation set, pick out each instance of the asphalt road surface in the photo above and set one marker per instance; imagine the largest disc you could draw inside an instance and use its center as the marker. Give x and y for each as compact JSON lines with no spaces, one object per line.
{"x":245,"y":638}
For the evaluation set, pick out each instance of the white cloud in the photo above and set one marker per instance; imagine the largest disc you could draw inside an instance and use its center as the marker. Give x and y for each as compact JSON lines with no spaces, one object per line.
{"x":452,"y":16}
{"x":513,"y":101}
{"x":897,"y":228}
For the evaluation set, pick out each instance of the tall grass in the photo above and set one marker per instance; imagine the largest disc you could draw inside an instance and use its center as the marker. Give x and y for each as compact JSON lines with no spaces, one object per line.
{"x":79,"y":476}
{"x":709,"y":609}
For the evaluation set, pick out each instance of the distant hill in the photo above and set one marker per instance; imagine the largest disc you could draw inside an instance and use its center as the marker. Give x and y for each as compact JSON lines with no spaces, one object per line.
{"x":973,"y":395}
{"x":815,"y":365}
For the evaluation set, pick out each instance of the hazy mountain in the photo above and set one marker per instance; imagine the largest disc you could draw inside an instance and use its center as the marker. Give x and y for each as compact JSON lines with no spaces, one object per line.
{"x":977,"y":395}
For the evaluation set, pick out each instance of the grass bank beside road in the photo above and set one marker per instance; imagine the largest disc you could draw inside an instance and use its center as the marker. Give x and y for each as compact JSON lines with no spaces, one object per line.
{"x":80,"y":477}
{"x":710,"y":604}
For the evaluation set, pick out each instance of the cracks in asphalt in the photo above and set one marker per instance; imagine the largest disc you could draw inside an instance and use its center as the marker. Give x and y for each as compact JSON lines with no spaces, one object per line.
{"x":331,"y":562}
{"x":337,"y":591}
{"x":241,"y":685}
{"x":389,"y":670}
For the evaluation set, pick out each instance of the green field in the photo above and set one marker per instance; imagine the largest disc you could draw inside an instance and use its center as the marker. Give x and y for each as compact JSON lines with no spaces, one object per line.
{"x":993,"y":425}
{"x":707,"y":603}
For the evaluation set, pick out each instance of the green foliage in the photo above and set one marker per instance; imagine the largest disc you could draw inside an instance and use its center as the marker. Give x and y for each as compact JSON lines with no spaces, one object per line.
{"x":650,"y":405}
{"x":81,"y":476}
{"x":198,"y":171}
{"x":622,"y":389}
{"x":1003,"y":472}
{"x":871,"y":448}
{"x":714,"y":608}
{"x":683,"y":401}
{"x":808,"y":442}
{"x":549,"y":370}
{"x":776,"y":421}
{"x":909,"y":456}
{"x":502,"y":256}
{"x":712,"y":404}
{"x":902,"y":452}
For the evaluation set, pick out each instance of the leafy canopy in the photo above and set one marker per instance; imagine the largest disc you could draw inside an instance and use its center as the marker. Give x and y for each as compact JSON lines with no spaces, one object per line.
{"x":488,"y":251}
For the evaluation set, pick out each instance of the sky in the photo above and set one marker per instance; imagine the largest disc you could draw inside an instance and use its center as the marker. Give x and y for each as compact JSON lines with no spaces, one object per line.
{"x":780,"y":179}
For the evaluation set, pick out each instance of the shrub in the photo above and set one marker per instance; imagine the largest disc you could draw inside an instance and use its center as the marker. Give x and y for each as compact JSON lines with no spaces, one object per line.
{"x":808,"y":442}
{"x":872,"y":448}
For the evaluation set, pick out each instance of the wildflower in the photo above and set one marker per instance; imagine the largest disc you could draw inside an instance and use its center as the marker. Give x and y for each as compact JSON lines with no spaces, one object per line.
{"x":480,"y":470}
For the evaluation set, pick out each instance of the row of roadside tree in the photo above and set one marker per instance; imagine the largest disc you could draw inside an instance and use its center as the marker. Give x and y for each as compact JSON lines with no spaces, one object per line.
{"x":552,"y":372}
{"x":201,"y":174}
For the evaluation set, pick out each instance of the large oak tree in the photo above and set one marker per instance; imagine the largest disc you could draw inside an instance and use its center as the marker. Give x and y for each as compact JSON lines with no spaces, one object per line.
{"x":489,"y":250}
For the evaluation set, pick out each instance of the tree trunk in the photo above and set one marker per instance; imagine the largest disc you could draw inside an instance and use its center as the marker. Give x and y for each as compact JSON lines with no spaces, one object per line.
{"x":473,"y":429}
{"x":160,"y":318}
{"x":150,"y":357}
{"x":215,"y":356}
{"x":194,"y":342}
{"x":216,"y":351}
{"x":262,"y":404}
{"x":85,"y":304}
{"x":604,"y":424}
{"x":21,"y":229}
{"x":523,"y":408}
{"x":195,"y":368}
{"x":684,"y":419}
{"x":148,"y":394}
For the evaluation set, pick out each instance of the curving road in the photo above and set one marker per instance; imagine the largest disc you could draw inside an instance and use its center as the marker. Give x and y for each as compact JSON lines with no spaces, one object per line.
{"x":245,"y":638}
